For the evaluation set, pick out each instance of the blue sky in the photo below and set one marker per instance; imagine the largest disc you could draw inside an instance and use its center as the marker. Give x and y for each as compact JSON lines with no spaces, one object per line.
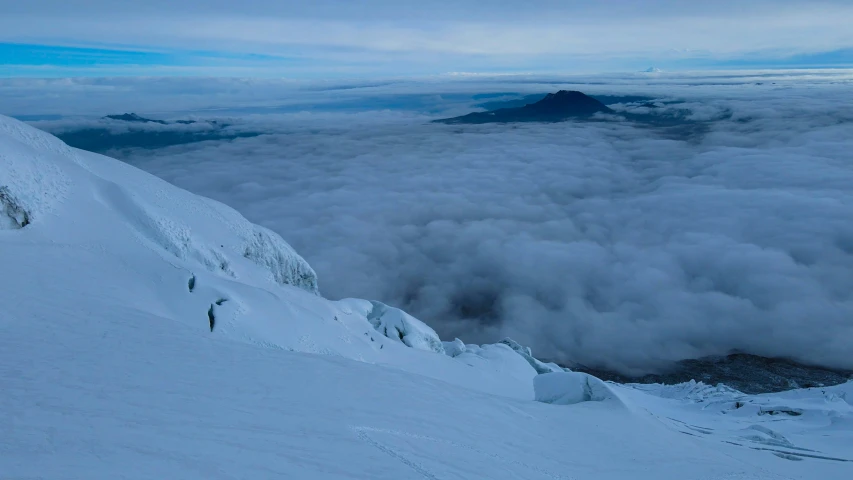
{"x":20,"y":59}
{"x":336,"y":38}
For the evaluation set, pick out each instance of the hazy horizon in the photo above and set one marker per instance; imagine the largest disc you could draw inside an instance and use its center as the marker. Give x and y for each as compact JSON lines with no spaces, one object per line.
{"x":333,"y":39}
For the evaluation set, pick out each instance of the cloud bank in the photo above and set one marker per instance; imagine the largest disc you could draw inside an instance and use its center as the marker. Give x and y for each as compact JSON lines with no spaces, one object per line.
{"x":164,"y":97}
{"x":610,"y":244}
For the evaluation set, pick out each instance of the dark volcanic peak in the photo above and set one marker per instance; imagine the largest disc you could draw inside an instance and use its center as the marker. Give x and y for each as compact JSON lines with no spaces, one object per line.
{"x":555,"y":107}
{"x":567,"y":102}
{"x":132,"y":117}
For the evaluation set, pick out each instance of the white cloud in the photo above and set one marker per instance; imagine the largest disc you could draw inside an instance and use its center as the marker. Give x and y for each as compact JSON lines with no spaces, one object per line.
{"x":443,"y":33}
{"x":602,"y":243}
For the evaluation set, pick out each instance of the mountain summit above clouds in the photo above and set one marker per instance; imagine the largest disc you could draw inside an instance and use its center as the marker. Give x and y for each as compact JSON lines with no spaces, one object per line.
{"x":555,"y":107}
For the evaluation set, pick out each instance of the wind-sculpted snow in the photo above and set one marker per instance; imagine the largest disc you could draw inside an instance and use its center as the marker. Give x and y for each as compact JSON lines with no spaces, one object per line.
{"x":527,"y":354}
{"x":399,"y":325}
{"x":267,"y":249}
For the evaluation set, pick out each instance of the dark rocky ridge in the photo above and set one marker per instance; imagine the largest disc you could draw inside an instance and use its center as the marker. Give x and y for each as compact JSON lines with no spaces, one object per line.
{"x":132,"y":117}
{"x":492,"y":103}
{"x":744,"y":372}
{"x":555,"y":107}
{"x":106,"y":140}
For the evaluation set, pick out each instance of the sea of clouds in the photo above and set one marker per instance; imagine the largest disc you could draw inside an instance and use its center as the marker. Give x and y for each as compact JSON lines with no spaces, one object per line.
{"x":612,"y":244}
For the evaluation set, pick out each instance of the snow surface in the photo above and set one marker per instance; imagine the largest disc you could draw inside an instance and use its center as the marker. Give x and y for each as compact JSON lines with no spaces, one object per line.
{"x":146,"y":332}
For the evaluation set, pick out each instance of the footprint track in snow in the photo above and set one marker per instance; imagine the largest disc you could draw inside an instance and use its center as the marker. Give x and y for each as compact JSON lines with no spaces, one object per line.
{"x":395,"y":454}
{"x":363,"y":434}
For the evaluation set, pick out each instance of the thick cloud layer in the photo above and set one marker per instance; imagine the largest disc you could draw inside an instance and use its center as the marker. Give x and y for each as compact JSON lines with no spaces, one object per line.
{"x":609,"y":244}
{"x":164,"y":97}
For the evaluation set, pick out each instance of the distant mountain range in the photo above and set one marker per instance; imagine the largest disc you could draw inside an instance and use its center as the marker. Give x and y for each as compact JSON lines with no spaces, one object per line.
{"x":132,"y":117}
{"x":102,"y":139}
{"x":747,"y":373}
{"x":555,"y":107}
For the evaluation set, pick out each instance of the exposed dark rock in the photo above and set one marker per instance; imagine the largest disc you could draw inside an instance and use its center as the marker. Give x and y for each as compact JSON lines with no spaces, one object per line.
{"x":747,"y":373}
{"x":555,"y":107}
{"x":132,"y":117}
{"x":106,"y":140}
{"x":211,"y":317}
{"x":528,"y":99}
{"x":12,"y":213}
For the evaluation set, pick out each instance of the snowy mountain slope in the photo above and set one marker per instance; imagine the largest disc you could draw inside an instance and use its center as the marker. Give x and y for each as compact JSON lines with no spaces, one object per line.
{"x":149,"y":333}
{"x":133,"y":237}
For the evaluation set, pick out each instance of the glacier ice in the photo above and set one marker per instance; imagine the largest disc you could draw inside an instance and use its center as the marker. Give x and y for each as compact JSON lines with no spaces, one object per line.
{"x":527,"y":353}
{"x":398,"y":325}
{"x":569,"y":388}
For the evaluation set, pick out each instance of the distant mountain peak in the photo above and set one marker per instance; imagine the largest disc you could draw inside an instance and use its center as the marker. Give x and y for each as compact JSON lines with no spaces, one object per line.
{"x":570,"y":101}
{"x":566,"y":94}
{"x":555,"y":107}
{"x":653,"y":70}
{"x":132,"y":117}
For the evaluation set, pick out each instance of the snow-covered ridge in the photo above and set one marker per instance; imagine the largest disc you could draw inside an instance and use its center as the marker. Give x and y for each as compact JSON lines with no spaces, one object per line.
{"x":43,"y":176}
{"x":206,"y":262}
